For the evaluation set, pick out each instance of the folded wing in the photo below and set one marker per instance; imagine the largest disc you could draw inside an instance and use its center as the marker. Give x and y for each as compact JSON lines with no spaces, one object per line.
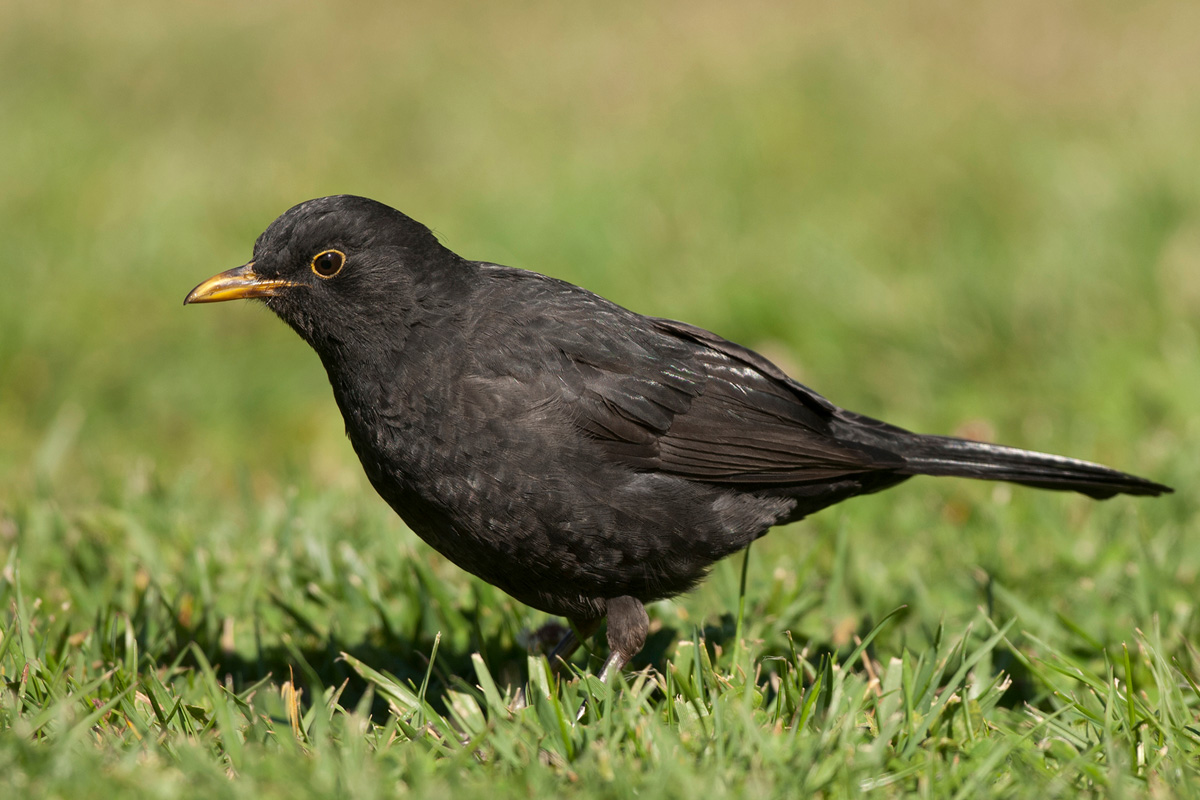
{"x":687,"y":402}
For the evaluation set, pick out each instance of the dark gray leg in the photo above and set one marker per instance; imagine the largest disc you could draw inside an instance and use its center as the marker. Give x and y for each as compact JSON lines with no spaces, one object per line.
{"x":580,"y":631}
{"x":628,"y":626}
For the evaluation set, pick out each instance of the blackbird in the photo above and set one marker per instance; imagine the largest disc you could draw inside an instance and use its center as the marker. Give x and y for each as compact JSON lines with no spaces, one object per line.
{"x":582,"y":457}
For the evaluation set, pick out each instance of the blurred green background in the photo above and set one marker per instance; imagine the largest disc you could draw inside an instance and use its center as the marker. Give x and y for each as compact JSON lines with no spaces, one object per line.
{"x":958,"y":217}
{"x":932,"y":212}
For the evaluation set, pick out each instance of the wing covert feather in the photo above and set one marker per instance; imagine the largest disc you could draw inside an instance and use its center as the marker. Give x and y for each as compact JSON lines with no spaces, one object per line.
{"x":723,"y":414}
{"x":661,"y":395}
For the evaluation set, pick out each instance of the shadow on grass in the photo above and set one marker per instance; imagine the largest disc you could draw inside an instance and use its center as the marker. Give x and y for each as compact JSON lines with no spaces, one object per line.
{"x":313,"y":661}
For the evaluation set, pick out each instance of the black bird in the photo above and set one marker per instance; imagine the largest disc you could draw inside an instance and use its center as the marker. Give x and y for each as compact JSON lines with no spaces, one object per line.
{"x":583,"y":458}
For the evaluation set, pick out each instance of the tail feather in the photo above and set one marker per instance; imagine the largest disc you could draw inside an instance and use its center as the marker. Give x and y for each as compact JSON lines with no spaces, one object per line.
{"x":946,"y":455}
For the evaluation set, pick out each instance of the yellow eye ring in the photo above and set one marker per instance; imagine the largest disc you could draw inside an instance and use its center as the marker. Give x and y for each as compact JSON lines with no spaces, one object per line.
{"x":328,"y":263}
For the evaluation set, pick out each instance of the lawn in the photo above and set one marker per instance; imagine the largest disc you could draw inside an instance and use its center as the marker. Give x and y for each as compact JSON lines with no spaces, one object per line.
{"x":982,"y":221}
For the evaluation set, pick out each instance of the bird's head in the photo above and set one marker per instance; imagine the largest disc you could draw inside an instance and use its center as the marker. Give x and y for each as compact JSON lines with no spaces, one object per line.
{"x":338,"y":270}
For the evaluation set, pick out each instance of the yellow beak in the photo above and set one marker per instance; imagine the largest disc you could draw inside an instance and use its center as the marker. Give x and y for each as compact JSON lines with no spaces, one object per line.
{"x":235,"y":284}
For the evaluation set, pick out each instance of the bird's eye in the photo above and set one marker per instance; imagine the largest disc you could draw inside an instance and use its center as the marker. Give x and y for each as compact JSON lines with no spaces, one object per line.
{"x":328,"y":263}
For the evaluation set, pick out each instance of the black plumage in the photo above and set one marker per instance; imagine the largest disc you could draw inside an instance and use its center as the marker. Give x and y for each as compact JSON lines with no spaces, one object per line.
{"x":584,"y":458}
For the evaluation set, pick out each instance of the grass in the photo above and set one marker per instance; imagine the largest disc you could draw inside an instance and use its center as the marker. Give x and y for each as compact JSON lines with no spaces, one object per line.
{"x":981,"y":220}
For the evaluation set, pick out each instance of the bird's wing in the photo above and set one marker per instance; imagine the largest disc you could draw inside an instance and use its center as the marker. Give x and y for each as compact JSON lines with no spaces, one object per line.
{"x":665,"y":396}
{"x":659,"y":395}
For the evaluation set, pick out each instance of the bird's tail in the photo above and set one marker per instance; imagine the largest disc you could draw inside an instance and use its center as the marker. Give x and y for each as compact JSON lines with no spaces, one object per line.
{"x":946,"y":455}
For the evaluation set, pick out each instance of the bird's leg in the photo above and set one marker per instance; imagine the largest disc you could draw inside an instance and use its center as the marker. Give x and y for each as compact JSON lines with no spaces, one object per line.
{"x":628,"y":626}
{"x":580,"y":631}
